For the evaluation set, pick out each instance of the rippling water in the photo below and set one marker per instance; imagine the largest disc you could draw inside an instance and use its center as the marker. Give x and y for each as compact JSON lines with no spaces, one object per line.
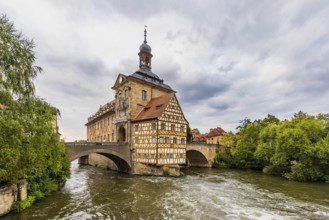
{"x":92,"y":193}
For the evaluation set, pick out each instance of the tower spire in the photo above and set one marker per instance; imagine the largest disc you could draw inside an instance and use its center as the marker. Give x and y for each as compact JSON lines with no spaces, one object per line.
{"x":145,"y":32}
{"x":144,"y":54}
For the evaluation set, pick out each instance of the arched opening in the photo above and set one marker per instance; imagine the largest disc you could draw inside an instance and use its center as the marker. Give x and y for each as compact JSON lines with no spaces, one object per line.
{"x":196,"y":159}
{"x":122,"y":134}
{"x":121,"y":164}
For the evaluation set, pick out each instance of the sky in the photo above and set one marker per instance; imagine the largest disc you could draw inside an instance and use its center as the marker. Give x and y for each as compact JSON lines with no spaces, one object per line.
{"x":227,"y":60}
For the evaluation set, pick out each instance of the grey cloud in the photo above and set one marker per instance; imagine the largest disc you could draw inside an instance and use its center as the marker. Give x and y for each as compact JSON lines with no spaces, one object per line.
{"x":74,"y":89}
{"x":85,"y":67}
{"x":227,"y":68}
{"x":201,"y":89}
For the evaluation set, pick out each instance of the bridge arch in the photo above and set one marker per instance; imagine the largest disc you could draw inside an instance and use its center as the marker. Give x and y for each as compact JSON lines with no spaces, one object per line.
{"x":196,"y":158}
{"x":201,"y":155}
{"x":119,"y":154}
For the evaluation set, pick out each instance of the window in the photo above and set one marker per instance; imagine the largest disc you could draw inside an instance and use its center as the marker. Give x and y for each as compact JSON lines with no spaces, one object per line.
{"x":167,"y":140}
{"x":182,"y":141}
{"x":146,"y":109}
{"x":145,"y":156}
{"x":174,"y":140}
{"x":136,"y":140}
{"x":181,"y":155}
{"x":136,"y":127}
{"x":112,"y":137}
{"x":152,"y":156}
{"x":108,"y":137}
{"x":173,"y":127}
{"x":158,"y":107}
{"x":112,"y":119}
{"x":104,"y":122}
{"x":171,"y":156}
{"x":154,"y":126}
{"x":144,"y":96}
{"x":182,"y":128}
{"x":161,"y":140}
{"x":154,"y":140}
{"x":109,"y":122}
{"x":163,"y":126}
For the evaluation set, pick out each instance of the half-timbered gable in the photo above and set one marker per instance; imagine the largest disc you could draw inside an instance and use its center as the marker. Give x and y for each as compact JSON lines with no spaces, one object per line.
{"x":159,"y":132}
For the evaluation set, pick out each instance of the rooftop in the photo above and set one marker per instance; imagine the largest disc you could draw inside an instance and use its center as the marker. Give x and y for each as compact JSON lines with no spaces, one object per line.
{"x":154,"y":108}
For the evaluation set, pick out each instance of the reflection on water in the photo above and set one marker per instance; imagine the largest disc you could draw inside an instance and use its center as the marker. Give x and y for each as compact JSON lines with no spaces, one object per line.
{"x":92,"y":193}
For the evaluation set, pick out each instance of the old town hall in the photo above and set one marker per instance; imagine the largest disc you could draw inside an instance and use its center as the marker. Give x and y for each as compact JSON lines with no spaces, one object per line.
{"x":146,"y":114}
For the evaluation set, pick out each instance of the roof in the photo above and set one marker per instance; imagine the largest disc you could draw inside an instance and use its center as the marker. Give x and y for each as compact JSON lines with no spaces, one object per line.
{"x":154,"y":108}
{"x":103,"y":109}
{"x":148,"y":76}
{"x":215,"y":132}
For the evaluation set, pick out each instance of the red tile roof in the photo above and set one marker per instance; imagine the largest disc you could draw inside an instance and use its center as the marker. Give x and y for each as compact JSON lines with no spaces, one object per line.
{"x":215,"y":132}
{"x":154,"y":108}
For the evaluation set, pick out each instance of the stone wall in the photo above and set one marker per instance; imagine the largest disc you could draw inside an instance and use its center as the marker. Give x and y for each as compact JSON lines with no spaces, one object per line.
{"x":145,"y":169}
{"x":10,"y":194}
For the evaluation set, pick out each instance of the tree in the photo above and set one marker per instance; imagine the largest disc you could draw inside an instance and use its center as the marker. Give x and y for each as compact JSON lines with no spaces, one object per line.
{"x":297,"y":149}
{"x":29,"y":145}
{"x":188,"y":133}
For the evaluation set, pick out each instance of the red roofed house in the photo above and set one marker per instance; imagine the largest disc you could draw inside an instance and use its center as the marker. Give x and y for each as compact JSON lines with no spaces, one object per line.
{"x":214,"y":136}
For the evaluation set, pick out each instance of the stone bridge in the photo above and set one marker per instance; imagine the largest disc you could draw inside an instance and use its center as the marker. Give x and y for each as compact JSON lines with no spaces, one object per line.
{"x":197,"y":154}
{"x":200,"y":154}
{"x":119,"y":153}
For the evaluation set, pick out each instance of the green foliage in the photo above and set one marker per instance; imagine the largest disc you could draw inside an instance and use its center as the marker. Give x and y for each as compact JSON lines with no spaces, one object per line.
{"x":21,"y":205}
{"x":145,"y":174}
{"x":223,"y":159}
{"x":188,"y":134}
{"x":297,"y":149}
{"x":29,"y":145}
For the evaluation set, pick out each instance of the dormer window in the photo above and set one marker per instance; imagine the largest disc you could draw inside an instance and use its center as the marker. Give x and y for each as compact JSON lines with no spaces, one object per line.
{"x":147,"y":108}
{"x":158,"y":107}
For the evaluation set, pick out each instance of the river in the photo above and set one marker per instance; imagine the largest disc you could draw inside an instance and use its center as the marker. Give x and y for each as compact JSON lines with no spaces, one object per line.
{"x":204,"y":193}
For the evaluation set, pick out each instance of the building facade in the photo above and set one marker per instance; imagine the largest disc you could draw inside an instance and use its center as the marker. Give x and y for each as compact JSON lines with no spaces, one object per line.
{"x":215,"y":136}
{"x":145,"y":113}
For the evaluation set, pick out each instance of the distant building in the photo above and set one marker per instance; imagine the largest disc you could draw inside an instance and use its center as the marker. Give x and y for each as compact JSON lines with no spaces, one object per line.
{"x":214,"y":136}
{"x":145,"y":113}
{"x":197,"y":136}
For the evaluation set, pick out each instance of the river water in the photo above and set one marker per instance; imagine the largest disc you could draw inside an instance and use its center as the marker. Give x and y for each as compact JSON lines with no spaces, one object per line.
{"x":93,"y":193}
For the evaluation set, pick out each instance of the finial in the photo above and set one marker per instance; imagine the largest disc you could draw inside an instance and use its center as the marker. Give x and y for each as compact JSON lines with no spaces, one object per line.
{"x":145,"y":41}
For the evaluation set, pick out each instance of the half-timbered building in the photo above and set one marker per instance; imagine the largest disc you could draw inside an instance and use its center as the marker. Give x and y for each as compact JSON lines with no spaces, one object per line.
{"x":159,"y":132}
{"x":146,"y":114}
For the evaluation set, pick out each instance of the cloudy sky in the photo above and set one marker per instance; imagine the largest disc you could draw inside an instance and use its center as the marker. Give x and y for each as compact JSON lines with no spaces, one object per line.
{"x":227,"y":60}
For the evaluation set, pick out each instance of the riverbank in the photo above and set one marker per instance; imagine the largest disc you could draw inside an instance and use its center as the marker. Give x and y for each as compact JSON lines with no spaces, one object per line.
{"x":11,"y":195}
